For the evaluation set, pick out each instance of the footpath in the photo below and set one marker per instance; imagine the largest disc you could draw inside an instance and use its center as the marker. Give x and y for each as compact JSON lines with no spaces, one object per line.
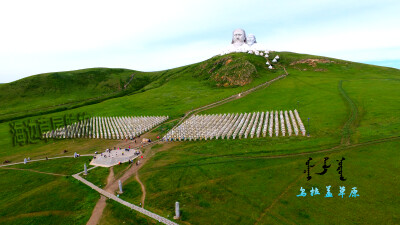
{"x":130,"y":205}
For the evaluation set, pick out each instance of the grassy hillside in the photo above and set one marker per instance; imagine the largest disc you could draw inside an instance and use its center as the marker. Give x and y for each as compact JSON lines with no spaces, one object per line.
{"x":48,"y":91}
{"x":31,"y":197}
{"x":173,"y":92}
{"x":211,"y":183}
{"x":52,"y":92}
{"x":350,"y":106}
{"x":60,"y":91}
{"x":353,"y":114}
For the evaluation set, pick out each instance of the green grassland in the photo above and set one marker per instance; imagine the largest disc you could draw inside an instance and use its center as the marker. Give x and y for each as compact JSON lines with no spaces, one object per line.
{"x":120,"y":169}
{"x":132,"y":191}
{"x":212,"y":179}
{"x":353,"y":114}
{"x":49,"y":91}
{"x":33,"y":198}
{"x":223,"y":189}
{"x":376,"y":101}
{"x":64,"y":166}
{"x":180,"y":91}
{"x":54,"y":92}
{"x":97,"y":176}
{"x":370,"y":169}
{"x":114,"y":213}
{"x":51,"y":148}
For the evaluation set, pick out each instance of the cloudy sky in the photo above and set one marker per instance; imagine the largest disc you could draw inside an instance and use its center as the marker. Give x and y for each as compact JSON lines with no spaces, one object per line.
{"x":47,"y":36}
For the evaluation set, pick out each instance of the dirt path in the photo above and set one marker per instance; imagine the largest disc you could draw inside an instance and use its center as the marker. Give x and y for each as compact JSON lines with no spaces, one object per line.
{"x":111,"y":187}
{"x":97,"y":211}
{"x":143,"y":189}
{"x":229,"y":99}
{"x":156,"y":217}
{"x":134,"y":170}
{"x":101,"y":204}
{"x":112,"y":183}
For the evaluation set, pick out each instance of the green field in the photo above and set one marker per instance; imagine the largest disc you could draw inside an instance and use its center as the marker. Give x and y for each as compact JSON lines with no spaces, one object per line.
{"x":34,"y":198}
{"x":97,"y":176}
{"x":353,"y":110}
{"x":225,"y":189}
{"x":64,"y":166}
{"x":115,"y":213}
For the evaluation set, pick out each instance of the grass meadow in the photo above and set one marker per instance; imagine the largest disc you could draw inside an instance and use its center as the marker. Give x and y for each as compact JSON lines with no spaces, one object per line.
{"x":225,"y":188}
{"x":33,"y":198}
{"x":247,"y":181}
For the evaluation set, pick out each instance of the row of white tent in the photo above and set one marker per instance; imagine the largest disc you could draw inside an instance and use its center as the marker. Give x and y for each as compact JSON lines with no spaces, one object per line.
{"x":266,"y":55}
{"x":255,"y":52}
{"x":275,"y":60}
{"x":249,"y":51}
{"x":107,"y":127}
{"x":207,"y":127}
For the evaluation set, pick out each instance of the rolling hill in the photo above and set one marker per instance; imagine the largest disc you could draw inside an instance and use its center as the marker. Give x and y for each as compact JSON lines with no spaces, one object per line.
{"x":353,"y":110}
{"x":59,"y":91}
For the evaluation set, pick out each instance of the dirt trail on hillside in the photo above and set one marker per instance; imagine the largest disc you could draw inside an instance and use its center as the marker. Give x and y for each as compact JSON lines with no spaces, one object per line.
{"x":229,"y":99}
{"x":143,"y":189}
{"x":112,"y":183}
{"x":101,"y":204}
{"x":113,"y":186}
{"x":97,"y":211}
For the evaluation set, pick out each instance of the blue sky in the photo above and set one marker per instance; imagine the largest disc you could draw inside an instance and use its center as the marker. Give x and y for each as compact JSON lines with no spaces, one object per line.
{"x":48,"y":36}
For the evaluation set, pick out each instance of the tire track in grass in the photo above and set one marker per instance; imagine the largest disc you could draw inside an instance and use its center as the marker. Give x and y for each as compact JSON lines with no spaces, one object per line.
{"x":348,"y":126}
{"x":34,"y":171}
{"x":268,"y":209}
{"x":345,"y":144}
{"x":37,"y":214}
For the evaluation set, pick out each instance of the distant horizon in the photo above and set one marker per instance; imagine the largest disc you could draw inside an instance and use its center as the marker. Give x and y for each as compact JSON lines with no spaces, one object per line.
{"x":385,"y":63}
{"x":395,"y":64}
